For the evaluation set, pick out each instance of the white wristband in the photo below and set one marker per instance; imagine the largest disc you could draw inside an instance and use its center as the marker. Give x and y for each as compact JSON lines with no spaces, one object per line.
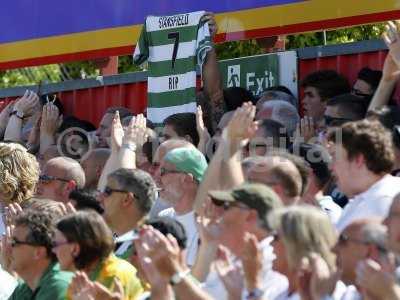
{"x":131,"y":147}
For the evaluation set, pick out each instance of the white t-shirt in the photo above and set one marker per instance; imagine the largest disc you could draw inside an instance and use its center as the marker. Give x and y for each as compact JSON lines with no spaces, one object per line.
{"x":192,"y":234}
{"x":274,"y":283}
{"x":8,"y":284}
{"x":158,"y":206}
{"x":333,"y":210}
{"x":374,"y":202}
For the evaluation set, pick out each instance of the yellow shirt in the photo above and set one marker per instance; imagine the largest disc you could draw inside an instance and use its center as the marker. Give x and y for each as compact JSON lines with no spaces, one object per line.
{"x":114,"y":267}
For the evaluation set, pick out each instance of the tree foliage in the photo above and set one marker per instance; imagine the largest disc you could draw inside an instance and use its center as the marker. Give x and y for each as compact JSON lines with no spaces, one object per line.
{"x":79,"y":70}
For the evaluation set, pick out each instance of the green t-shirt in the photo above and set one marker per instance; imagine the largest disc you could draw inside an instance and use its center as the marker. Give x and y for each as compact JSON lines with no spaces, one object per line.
{"x":173,"y":46}
{"x":52,"y":286}
{"x":126,"y":255}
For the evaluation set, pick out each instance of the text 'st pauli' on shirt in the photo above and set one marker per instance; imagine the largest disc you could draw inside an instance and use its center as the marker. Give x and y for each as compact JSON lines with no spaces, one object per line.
{"x":173,"y":47}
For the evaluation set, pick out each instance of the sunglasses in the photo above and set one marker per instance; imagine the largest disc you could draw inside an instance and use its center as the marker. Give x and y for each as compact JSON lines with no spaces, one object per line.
{"x":48,"y":178}
{"x":108,"y":191}
{"x":15,"y":243}
{"x":359,"y":93}
{"x":332,"y":121}
{"x":344,"y":239}
{"x":226,"y":205}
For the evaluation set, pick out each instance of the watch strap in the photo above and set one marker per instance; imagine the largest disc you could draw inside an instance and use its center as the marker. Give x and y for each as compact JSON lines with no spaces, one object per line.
{"x":18,"y":114}
{"x":178,"y":277}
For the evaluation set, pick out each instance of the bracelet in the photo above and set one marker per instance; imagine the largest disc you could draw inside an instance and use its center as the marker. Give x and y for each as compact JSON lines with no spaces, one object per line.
{"x":178,"y":277}
{"x":18,"y":114}
{"x":131,"y":147}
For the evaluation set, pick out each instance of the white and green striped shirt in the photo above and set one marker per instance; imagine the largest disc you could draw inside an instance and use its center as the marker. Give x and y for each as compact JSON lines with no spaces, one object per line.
{"x":173,"y":46}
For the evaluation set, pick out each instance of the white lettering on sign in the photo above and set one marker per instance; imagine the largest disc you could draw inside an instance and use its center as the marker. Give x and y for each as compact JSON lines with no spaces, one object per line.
{"x":258,"y":84}
{"x":249,"y":80}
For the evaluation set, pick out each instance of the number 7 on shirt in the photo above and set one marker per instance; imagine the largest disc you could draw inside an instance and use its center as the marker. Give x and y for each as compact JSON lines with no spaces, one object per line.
{"x":174,"y":35}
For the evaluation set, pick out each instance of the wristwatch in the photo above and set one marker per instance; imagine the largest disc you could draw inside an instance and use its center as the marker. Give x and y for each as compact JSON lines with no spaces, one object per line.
{"x":256,"y":293}
{"x":178,"y":277}
{"x":18,"y":114}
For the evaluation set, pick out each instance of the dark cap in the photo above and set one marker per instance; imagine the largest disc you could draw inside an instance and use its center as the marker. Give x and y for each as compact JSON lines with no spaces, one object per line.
{"x":254,"y":195}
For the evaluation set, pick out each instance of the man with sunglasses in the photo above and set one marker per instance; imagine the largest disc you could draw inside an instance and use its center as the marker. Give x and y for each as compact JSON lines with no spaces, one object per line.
{"x":60,"y":176}
{"x":126,"y":200}
{"x":362,"y":239}
{"x":181,"y":171}
{"x":246,"y":209}
{"x":32,"y":259}
{"x":367,"y":82}
{"x":344,"y":108}
{"x":160,"y":204}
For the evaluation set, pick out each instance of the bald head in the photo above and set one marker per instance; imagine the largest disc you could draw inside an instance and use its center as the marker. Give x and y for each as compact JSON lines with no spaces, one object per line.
{"x":60,"y":176}
{"x":93,"y":165}
{"x":66,"y":167}
{"x":279,"y":173}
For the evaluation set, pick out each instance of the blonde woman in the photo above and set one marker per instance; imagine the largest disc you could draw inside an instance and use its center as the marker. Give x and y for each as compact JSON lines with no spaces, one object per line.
{"x":303,"y":236}
{"x":19,"y":174}
{"x":303,"y":239}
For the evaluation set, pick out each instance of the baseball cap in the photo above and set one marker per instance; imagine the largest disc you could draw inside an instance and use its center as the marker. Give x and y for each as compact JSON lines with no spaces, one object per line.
{"x":188,"y":160}
{"x":254,"y":195}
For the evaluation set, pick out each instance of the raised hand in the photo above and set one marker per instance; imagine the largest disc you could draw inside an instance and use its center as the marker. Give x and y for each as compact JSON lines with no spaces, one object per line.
{"x":201,"y":128}
{"x":67,"y":208}
{"x":242,"y":126}
{"x":230,"y":274}
{"x":27,"y":103}
{"x":12,"y":211}
{"x":5,"y":113}
{"x":51,"y":120}
{"x":374,"y":280}
{"x":82,"y":288}
{"x":305,"y":130}
{"x":136,"y":131}
{"x":391,"y":71}
{"x":392,"y":39}
{"x":323,"y":280}
{"x":5,"y":250}
{"x":212,"y":24}
{"x":252,"y":261}
{"x":165,"y":252}
{"x":117,"y":133}
{"x":153,"y":277}
{"x":208,"y":223}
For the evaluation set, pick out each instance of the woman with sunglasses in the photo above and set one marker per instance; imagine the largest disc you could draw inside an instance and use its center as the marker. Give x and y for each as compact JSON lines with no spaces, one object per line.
{"x":84,"y":242}
{"x":301,"y":232}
